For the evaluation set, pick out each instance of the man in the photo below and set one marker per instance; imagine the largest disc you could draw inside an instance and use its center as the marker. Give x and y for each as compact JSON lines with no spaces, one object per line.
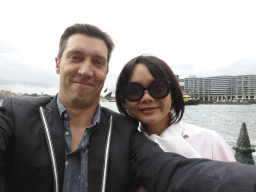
{"x":71,"y":143}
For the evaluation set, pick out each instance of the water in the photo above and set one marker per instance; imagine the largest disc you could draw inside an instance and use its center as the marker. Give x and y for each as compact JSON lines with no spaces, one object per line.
{"x":225,"y":119}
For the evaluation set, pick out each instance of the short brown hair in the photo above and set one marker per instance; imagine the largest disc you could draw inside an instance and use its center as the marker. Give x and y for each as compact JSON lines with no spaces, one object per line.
{"x":159,"y":69}
{"x":89,"y":30}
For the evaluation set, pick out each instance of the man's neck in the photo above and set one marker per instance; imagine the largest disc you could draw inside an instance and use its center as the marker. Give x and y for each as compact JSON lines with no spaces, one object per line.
{"x":82,"y":116}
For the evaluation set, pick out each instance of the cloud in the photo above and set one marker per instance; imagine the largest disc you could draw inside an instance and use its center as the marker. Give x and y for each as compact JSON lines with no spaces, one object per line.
{"x":244,"y":66}
{"x":7,"y":48}
{"x":17,"y":69}
{"x":183,"y":70}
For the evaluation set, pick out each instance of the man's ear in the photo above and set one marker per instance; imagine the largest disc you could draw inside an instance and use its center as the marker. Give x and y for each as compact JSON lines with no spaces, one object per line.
{"x":57,"y":61}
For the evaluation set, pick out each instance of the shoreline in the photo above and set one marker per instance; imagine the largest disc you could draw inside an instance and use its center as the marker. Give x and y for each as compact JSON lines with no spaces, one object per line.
{"x":227,"y":103}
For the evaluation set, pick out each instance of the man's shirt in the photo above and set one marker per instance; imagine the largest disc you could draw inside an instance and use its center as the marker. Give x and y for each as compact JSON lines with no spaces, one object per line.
{"x":76,"y":162}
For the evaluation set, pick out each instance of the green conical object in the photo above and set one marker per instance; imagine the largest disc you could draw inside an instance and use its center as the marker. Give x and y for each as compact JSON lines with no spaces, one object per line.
{"x":243,"y":148}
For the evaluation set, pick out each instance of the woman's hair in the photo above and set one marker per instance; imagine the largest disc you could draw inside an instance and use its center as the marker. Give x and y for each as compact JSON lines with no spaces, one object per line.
{"x":158,"y":69}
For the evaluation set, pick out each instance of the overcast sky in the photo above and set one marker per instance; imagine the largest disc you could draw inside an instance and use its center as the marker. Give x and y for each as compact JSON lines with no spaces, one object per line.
{"x":202,"y":38}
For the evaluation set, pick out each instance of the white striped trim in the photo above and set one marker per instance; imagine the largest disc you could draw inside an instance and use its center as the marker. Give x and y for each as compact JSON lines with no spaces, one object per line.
{"x":104,"y":180}
{"x":53,"y":160}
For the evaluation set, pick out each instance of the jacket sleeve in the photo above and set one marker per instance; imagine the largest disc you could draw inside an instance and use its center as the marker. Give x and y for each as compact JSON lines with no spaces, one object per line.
{"x":161,"y":172}
{"x":6,"y":130}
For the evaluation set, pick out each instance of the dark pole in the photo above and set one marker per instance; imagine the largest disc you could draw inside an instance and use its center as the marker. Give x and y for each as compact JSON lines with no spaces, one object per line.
{"x":243,"y":148}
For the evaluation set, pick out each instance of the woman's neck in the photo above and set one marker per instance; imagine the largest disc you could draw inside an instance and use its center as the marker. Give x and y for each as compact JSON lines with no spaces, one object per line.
{"x":157,"y":128}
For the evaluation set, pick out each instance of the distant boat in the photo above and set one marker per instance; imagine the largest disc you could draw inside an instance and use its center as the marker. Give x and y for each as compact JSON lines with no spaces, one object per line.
{"x":188,"y":100}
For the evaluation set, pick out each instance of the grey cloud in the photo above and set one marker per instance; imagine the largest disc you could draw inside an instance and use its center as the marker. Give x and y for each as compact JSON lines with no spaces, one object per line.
{"x":183,"y":70}
{"x":15,"y":70}
{"x":186,"y":67}
{"x":111,"y":81}
{"x":33,"y":82}
{"x":244,"y":66}
{"x":7,"y":48}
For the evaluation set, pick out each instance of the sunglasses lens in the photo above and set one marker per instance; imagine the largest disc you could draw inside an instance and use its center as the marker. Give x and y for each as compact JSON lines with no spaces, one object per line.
{"x":158,"y":89}
{"x":133,"y":91}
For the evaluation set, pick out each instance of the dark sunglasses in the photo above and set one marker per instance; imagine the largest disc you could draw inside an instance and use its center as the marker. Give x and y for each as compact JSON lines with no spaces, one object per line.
{"x":158,"y":89}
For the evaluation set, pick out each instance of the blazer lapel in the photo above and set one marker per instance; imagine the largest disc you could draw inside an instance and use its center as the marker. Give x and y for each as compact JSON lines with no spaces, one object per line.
{"x":98,"y":139}
{"x":56,"y":130}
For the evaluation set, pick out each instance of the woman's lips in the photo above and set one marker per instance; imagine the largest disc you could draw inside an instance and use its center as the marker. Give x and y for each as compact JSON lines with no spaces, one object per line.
{"x":149,"y":110}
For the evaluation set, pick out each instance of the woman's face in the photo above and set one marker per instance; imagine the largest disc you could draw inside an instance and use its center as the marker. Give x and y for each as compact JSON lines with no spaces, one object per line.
{"x":148,"y":111}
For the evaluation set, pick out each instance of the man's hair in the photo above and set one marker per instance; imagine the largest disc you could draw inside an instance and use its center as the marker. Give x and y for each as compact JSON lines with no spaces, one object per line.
{"x":89,"y":30}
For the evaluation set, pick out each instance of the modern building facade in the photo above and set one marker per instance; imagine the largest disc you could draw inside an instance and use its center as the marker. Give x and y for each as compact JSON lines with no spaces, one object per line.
{"x":222,"y":88}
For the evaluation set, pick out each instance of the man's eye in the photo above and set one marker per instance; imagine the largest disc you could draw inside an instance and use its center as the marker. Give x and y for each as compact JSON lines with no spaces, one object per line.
{"x":98,"y":62}
{"x":74,"y":57}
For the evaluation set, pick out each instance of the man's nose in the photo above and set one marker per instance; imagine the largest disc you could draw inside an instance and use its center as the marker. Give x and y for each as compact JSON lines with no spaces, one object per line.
{"x":146,"y":97}
{"x":86,"y":69}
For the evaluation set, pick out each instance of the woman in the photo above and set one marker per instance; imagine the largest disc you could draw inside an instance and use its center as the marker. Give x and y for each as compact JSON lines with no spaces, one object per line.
{"x":148,"y":91}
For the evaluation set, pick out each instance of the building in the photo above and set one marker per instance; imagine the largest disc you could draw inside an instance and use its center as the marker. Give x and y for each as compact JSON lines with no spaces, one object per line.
{"x":222,"y":88}
{"x":246,"y":86}
{"x":5,"y":94}
{"x":106,"y":93}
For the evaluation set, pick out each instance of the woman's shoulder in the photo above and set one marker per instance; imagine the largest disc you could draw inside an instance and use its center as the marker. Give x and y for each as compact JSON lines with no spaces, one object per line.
{"x":191,"y":129}
{"x":202,"y":138}
{"x":201,"y":133}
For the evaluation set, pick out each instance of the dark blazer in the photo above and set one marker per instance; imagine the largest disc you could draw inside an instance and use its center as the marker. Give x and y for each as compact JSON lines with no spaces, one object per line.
{"x":32,"y":161}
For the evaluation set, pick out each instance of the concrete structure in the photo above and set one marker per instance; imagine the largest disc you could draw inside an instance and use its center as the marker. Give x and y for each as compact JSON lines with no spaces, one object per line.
{"x":106,"y":93}
{"x":178,"y":78}
{"x":243,"y":148}
{"x":222,"y":88}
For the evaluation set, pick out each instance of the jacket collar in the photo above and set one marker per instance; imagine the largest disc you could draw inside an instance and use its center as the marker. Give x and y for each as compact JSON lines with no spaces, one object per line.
{"x":98,"y":139}
{"x":97,"y":151}
{"x":56,"y":129}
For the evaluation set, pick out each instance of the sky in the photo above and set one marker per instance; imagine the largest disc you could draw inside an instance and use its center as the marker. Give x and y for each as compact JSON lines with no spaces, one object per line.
{"x":194,"y":37}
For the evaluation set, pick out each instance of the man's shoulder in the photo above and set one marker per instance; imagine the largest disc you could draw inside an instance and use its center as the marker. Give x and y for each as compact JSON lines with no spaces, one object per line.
{"x":28,"y":101}
{"x":110,"y":111}
{"x":119,"y":117}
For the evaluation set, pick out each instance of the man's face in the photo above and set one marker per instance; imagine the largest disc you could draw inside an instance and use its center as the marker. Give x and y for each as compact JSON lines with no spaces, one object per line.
{"x":83,"y":70}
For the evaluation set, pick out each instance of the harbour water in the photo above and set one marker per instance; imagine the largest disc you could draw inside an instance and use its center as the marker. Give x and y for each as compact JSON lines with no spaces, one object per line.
{"x":223,"y":118}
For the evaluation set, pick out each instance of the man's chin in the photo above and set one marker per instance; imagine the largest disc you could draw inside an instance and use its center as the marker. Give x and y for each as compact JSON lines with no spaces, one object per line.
{"x":82,"y":100}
